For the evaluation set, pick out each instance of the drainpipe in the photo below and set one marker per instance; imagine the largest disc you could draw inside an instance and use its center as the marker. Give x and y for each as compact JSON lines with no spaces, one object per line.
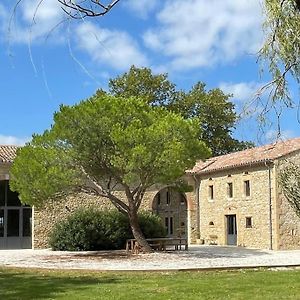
{"x":197,"y":184}
{"x":270,"y":205}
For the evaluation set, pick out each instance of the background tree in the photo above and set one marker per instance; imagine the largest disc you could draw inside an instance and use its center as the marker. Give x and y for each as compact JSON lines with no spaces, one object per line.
{"x":156,"y":89}
{"x":290,"y":183}
{"x":106,"y":144}
{"x":216,"y":116}
{"x":212,"y":109}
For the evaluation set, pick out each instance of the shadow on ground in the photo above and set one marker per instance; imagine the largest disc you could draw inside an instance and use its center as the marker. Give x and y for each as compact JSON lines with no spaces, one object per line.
{"x":30,"y":285}
{"x":201,"y":252}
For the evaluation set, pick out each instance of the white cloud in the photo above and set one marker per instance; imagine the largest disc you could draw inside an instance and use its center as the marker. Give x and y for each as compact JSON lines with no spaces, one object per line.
{"x":197,"y":33}
{"x":32,"y":21}
{"x":242,"y":91}
{"x":109,"y":47}
{"x":273,"y":135}
{"x":47,"y":11}
{"x":13,"y":140}
{"x":141,"y":8}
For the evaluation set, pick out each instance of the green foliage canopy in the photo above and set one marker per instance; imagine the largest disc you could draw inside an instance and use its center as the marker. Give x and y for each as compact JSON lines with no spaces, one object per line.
{"x":212,"y":109}
{"x":105,"y":143}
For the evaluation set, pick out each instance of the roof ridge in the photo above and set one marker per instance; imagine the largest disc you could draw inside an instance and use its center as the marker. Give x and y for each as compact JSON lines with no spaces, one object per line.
{"x":250,"y":156}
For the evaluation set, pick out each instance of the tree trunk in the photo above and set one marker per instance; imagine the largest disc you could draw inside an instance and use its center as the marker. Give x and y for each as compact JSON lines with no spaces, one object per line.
{"x":137,"y":233}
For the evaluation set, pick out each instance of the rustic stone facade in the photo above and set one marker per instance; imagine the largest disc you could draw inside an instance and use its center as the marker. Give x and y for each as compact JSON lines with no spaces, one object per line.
{"x":4,"y":171}
{"x":263,"y":218}
{"x":236,"y":199}
{"x":288,"y":222}
{"x":46,"y":217}
{"x":255,"y":207}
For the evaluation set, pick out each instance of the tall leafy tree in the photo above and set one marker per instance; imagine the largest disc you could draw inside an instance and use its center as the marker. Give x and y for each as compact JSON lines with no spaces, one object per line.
{"x":213,"y":109}
{"x":216,"y":116}
{"x":156,"y":89}
{"x":107,"y":144}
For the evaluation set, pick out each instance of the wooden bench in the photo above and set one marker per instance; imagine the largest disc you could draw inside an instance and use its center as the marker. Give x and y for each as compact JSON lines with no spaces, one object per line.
{"x":160,"y":244}
{"x":177,"y":243}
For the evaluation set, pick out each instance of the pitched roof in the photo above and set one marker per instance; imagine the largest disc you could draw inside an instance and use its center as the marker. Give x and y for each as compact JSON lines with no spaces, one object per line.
{"x":7,"y":153}
{"x":249,"y":157}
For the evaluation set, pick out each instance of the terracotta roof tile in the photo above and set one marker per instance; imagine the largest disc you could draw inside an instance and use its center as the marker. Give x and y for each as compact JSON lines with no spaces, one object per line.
{"x":253,"y":156}
{"x":7,"y":153}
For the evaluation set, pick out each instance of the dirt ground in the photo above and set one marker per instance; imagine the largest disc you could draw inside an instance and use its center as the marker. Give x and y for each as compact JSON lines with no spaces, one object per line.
{"x":197,"y":257}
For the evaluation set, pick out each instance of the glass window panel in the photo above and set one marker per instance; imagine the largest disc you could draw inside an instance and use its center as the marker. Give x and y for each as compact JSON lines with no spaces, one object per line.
{"x":167,"y":224}
{"x":2,"y":192}
{"x":26,"y":222}
{"x":13,"y":222}
{"x":12,"y":198}
{"x":247,"y":187}
{"x":211,"y":192}
{"x":230,"y":190}
{"x":1,"y":222}
{"x":168,"y":198}
{"x":171,"y":225}
{"x":248,"y":222}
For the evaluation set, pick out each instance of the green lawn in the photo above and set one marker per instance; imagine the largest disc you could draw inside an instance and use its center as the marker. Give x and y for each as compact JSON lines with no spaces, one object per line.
{"x":46,"y":284}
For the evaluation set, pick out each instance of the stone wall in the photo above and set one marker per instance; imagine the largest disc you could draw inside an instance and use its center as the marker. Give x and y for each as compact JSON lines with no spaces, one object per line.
{"x":171,"y":206}
{"x":4,"y":171}
{"x":213,"y":225}
{"x":288,"y":221}
{"x":46,"y":217}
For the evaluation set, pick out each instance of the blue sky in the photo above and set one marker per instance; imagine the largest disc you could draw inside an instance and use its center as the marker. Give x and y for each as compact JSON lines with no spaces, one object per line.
{"x":43,"y":66}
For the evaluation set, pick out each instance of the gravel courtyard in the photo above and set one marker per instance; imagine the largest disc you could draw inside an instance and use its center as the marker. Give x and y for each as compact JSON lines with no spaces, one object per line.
{"x":197,"y":257}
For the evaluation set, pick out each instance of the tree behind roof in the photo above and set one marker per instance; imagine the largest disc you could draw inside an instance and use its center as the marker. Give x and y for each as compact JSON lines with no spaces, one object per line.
{"x":213,"y":109}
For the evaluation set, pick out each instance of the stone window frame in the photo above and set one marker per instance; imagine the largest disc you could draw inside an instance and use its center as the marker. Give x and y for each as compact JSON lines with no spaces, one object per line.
{"x":249,"y":222}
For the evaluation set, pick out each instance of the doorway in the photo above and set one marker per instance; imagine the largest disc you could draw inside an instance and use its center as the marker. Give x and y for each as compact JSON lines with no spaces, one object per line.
{"x":231,"y":230}
{"x":15,"y":220}
{"x":171,"y":206}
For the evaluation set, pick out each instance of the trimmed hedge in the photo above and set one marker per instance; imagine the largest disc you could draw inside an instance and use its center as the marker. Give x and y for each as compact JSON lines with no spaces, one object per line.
{"x":92,"y":229}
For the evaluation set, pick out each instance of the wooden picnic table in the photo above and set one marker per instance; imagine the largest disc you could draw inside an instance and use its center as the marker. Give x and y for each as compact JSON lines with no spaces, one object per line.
{"x":160,"y":244}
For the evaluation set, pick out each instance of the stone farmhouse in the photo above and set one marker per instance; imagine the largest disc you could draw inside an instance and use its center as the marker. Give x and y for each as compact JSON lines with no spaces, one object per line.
{"x":236,"y":200}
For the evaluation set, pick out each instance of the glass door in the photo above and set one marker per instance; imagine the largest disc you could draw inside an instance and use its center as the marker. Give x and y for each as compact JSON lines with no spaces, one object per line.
{"x":231,"y":230}
{"x":15,"y":220}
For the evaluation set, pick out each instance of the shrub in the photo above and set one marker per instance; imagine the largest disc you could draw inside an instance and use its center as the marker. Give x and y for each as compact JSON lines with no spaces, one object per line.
{"x":92,"y":229}
{"x":151,"y":225}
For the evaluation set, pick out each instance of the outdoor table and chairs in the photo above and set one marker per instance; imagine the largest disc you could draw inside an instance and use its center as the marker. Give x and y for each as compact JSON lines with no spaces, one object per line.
{"x":160,"y":244}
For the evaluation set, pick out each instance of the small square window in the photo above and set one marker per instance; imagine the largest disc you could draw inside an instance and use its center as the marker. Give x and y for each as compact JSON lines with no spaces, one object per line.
{"x":248,"y":222}
{"x":247,"y":188}
{"x":229,"y":189}
{"x":211,"y":192}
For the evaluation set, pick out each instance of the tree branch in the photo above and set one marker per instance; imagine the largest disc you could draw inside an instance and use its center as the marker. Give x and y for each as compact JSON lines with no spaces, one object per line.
{"x":99,"y":190}
{"x":86,"y":8}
